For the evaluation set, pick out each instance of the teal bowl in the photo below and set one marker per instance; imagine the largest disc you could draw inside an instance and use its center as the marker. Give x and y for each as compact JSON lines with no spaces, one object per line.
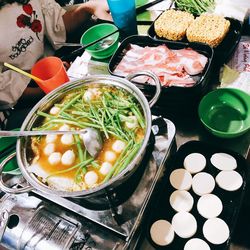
{"x":96,"y":32}
{"x":225,"y":112}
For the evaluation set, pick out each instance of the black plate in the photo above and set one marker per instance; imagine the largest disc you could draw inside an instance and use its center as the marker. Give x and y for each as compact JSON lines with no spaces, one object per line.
{"x":223,"y":51}
{"x":171,"y":97}
{"x":231,"y":200}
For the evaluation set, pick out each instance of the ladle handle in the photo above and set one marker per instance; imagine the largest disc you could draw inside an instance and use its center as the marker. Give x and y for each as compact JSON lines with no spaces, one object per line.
{"x":156,"y":81}
{"x":6,"y":189}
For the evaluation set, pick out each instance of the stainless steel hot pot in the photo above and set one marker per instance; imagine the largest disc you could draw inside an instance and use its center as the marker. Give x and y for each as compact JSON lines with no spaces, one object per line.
{"x":23,"y":144}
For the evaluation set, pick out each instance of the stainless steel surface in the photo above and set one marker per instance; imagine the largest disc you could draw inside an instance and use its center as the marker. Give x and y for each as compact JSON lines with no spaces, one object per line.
{"x":4,"y":217}
{"x":46,"y":102}
{"x":12,"y":133}
{"x":92,"y":141}
{"x":156,"y":82}
{"x":7,"y":189}
{"x":39,"y":218}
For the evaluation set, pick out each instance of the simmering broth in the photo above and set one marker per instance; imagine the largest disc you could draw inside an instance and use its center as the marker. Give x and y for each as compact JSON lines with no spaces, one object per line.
{"x":62,"y":162}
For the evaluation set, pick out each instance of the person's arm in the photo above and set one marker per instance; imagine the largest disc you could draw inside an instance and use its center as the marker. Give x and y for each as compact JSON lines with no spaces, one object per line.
{"x":12,"y":85}
{"x":74,"y":18}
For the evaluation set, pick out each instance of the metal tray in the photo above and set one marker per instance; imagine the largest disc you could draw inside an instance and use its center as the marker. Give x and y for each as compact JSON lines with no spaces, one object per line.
{"x":223,"y":51}
{"x":231,"y":200}
{"x":176,"y":96}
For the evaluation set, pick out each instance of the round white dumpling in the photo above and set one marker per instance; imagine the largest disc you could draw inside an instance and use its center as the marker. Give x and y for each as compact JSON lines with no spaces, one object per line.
{"x":88,"y":96}
{"x":55,"y":158}
{"x":132,"y":123}
{"x":209,"y":206}
{"x":203,"y":183}
{"x":91,"y":178}
{"x":194,"y":163}
{"x":67,"y":139}
{"x":216,"y":231}
{"x":54,"y":110}
{"x":118,"y":146}
{"x":181,"y":200}
{"x":110,"y":156}
{"x":184,"y":224}
{"x":181,"y":179}
{"x":49,"y":149}
{"x":196,"y":244}
{"x":68,"y":157}
{"x":50,"y":138}
{"x":223,"y":161}
{"x":105,"y":168}
{"x":64,"y":127}
{"x":162,"y":232}
{"x":229,"y":180}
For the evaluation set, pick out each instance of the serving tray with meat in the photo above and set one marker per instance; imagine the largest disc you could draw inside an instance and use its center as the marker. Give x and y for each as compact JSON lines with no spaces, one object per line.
{"x":184,"y":69}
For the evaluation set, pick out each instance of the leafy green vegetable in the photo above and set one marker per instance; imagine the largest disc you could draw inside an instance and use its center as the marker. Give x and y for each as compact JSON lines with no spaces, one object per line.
{"x":195,"y":7}
{"x":108,"y":113}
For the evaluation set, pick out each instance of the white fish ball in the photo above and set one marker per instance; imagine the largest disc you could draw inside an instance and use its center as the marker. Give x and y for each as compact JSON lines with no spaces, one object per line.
{"x":68,"y":157}
{"x":54,"y":110}
{"x":67,"y":139}
{"x":110,"y":156}
{"x":49,"y":149}
{"x":132,"y":123}
{"x":64,"y":127}
{"x":118,"y":146}
{"x":55,"y":158}
{"x":105,"y":168}
{"x":50,"y":138}
{"x":88,"y":96}
{"x":91,"y":178}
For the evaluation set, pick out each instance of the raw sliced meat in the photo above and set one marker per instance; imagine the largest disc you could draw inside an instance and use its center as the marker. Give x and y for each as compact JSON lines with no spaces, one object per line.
{"x":173,"y":67}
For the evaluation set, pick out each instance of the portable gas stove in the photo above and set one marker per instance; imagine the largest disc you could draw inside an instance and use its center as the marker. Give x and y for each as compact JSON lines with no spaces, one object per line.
{"x":40,"y":221}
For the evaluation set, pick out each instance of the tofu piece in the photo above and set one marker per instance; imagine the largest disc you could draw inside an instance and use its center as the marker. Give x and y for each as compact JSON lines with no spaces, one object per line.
{"x":162,"y":232}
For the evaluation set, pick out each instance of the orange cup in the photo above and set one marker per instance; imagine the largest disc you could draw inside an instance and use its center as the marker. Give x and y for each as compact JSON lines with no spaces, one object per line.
{"x":51,"y":71}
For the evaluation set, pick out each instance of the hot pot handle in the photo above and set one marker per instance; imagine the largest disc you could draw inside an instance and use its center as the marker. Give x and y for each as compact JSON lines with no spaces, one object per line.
{"x":157,"y":84}
{"x":7,"y":189}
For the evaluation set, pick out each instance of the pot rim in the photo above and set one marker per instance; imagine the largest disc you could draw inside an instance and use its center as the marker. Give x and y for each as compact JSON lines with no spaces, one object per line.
{"x":60,"y":91}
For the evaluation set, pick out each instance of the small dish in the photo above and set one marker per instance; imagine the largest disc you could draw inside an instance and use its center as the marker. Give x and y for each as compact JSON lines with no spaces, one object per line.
{"x":96,"y":32}
{"x":225,"y":112}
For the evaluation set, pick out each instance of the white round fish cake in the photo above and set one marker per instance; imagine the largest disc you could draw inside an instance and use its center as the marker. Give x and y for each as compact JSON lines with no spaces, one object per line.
{"x":181,"y":200}
{"x":194,"y":162}
{"x":196,"y":244}
{"x":229,"y":180}
{"x":203,"y":183}
{"x":162,"y":232}
{"x":216,"y":231}
{"x":223,"y":161}
{"x":184,"y":224}
{"x":209,"y":206}
{"x":181,"y":179}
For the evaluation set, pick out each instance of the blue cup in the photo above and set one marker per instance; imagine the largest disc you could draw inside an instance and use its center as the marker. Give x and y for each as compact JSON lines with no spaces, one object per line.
{"x":124,"y":15}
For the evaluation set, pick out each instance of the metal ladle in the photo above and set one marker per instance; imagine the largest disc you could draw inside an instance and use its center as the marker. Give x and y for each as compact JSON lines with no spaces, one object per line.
{"x":91,"y":137}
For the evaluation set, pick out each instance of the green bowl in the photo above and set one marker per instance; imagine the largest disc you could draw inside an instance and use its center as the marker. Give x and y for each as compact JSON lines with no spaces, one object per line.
{"x":97,"y":32}
{"x":225,"y":112}
{"x":11,"y":167}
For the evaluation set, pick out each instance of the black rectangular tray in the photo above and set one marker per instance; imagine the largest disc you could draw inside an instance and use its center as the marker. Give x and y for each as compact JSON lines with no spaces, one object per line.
{"x":224,"y":51}
{"x":231,"y":200}
{"x":172,"y":97}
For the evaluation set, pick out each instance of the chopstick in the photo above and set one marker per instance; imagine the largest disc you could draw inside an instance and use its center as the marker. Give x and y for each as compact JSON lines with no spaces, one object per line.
{"x":80,"y":50}
{"x":144,"y":7}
